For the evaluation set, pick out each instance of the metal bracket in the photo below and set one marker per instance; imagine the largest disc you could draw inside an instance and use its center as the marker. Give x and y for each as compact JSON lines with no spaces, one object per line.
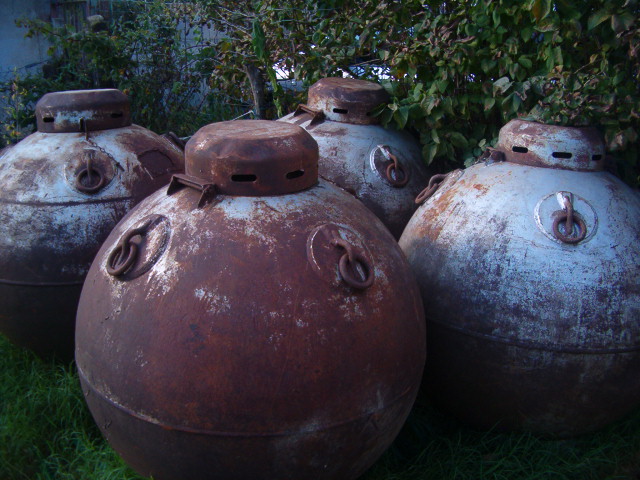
{"x":208,"y":190}
{"x":317,"y":116}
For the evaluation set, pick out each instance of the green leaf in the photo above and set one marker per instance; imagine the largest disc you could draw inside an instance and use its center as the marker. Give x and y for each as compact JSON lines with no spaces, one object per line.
{"x":401,"y":116}
{"x":541,"y":9}
{"x":487,"y":65}
{"x":557,"y":55}
{"x":525,"y":62}
{"x":482,"y":20}
{"x":489,"y":103}
{"x":458,"y":140}
{"x":447,"y":105}
{"x":258,"y":40}
{"x":622,"y":22}
{"x":496,"y":16}
{"x":526,"y":34}
{"x":429,"y":152}
{"x":502,"y":85}
{"x":597,"y":18}
{"x":547,"y":25}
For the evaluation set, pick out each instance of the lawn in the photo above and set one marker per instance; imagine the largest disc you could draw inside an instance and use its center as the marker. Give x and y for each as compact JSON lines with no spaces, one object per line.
{"x":46,"y":432}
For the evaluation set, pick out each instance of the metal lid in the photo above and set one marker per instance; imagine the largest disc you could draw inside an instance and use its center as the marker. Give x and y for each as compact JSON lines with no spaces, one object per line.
{"x":253,"y":157}
{"x":540,"y":145}
{"x":347,"y":100}
{"x":83,"y":110}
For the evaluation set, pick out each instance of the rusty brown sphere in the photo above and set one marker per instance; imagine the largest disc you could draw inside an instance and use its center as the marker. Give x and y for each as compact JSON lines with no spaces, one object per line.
{"x":268,"y":326}
{"x":63,"y":189}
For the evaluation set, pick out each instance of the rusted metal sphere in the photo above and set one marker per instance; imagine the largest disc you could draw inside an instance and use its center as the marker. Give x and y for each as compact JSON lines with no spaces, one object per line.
{"x":267,"y":327}
{"x":383,"y":168}
{"x":529,"y":270}
{"x":63,"y":189}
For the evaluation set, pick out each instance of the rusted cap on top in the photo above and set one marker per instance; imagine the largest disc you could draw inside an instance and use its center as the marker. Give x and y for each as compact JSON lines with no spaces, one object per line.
{"x":253,"y":157}
{"x":347,"y":100}
{"x":540,"y":145}
{"x":80,"y":110}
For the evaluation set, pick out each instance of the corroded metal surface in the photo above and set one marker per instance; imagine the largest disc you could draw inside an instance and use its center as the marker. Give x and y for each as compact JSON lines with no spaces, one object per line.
{"x":255,"y":157}
{"x":382,"y":168}
{"x":537,"y":144}
{"x":82,"y":110}
{"x":242,"y":352}
{"x":347,"y":100}
{"x":526,"y":329}
{"x":52,"y":221}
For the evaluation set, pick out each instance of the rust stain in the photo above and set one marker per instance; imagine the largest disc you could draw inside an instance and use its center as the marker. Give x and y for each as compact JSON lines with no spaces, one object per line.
{"x":263,"y":362}
{"x":526,"y":331}
{"x":62,"y":195}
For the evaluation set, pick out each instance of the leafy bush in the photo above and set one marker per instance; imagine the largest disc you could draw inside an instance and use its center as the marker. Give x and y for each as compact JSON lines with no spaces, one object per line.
{"x":155,"y":52}
{"x":457,"y":70}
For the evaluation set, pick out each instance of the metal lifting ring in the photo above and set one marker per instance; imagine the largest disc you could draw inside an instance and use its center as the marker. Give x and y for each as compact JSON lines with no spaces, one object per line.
{"x":568,"y":237}
{"x":346,"y":267}
{"x":86,"y":172}
{"x":396,"y":182}
{"x":434,"y":183}
{"x":347,"y":263}
{"x":118,"y":261}
{"x":115,"y":265}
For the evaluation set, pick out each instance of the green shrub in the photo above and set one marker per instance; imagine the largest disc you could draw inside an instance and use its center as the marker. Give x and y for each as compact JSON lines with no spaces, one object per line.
{"x":457,"y":70}
{"x":145,"y":53}
{"x":460,"y":70}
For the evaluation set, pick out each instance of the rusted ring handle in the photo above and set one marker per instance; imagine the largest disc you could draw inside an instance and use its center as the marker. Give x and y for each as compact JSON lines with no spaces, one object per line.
{"x":345,"y":267}
{"x":434,"y":183}
{"x":562,"y":216}
{"x":347,"y":263}
{"x":401,"y":177}
{"x":87,"y":172}
{"x":125,"y":254}
{"x":115,"y":265}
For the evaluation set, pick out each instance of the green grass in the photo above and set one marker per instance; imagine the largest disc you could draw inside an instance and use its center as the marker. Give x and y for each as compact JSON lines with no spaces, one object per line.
{"x":46,"y":432}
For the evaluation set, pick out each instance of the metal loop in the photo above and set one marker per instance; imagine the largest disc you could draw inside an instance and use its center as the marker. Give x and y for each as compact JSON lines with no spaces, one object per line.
{"x":568,"y":237}
{"x":434,"y":183}
{"x":401,"y":178}
{"x":571,"y":220}
{"x":116,"y":266}
{"x":87,"y":172}
{"x":125,"y":254}
{"x":347,"y":265}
